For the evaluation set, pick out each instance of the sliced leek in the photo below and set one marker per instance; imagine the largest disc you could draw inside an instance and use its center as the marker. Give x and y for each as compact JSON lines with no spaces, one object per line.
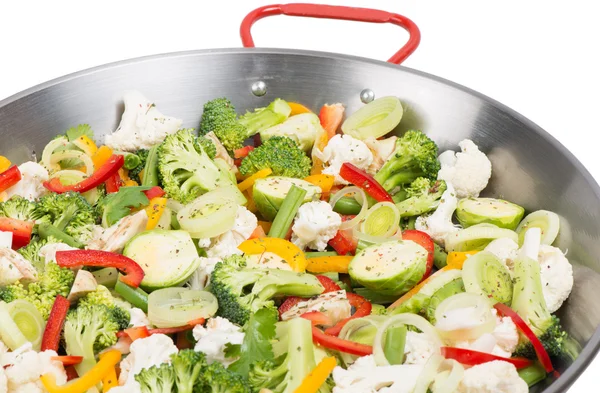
{"x":29,"y":321}
{"x":375,"y":119}
{"x":171,"y":307}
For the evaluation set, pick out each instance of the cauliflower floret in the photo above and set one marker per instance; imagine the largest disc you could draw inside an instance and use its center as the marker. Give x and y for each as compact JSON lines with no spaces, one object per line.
{"x":469,"y":171}
{"x":333,"y":304}
{"x":439,"y":224}
{"x":344,"y":148}
{"x":382,"y":149}
{"x":145,"y":353}
{"x":113,"y":239}
{"x":3,"y":381}
{"x":364,"y":376}
{"x":30,"y":187}
{"x":212,"y":339}
{"x":24,"y":366}
{"x":138,"y":317}
{"x":557,"y":276}
{"x":14,"y":267}
{"x":418,"y":348}
{"x":506,"y":334}
{"x":505,"y":249}
{"x":6,"y":239}
{"x":227,"y":244}
{"x":267,"y":260}
{"x":142,"y":125}
{"x":48,"y":251}
{"x":316,"y":223}
{"x":492,"y":377}
{"x":200,"y":278}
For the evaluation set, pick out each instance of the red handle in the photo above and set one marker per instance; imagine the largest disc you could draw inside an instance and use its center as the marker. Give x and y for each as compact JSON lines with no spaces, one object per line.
{"x":335,"y":12}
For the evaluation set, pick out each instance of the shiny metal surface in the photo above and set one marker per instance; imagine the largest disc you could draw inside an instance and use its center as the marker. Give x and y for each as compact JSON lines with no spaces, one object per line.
{"x":529,"y":166}
{"x":367,"y":95}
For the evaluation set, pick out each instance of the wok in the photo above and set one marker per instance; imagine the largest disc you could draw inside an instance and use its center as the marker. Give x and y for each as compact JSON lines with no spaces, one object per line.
{"x":530,"y":167}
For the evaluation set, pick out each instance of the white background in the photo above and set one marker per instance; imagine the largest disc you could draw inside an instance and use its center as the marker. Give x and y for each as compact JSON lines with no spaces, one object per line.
{"x":541,"y":58}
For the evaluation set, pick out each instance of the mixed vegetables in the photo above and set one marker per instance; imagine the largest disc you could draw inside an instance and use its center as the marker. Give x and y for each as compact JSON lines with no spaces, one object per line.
{"x":323,"y":257}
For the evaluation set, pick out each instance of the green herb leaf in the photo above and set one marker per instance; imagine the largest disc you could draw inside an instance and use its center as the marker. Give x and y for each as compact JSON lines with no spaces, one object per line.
{"x":119,"y":204}
{"x":77,"y":131}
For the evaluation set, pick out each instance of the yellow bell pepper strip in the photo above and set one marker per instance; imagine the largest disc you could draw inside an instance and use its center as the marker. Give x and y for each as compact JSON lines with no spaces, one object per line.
{"x":285,"y":249}
{"x":249,"y":182}
{"x":317,"y":377}
{"x":101,"y":156}
{"x":154,"y":210}
{"x":298,"y":108}
{"x":250,"y":205}
{"x":4,"y":164}
{"x":86,"y":144}
{"x":332,"y":264}
{"x":107,"y":362}
{"x":459,"y":258}
{"x":110,"y":380}
{"x":3,"y":196}
{"x":131,"y":183}
{"x":323,"y":181}
{"x":266,"y":226}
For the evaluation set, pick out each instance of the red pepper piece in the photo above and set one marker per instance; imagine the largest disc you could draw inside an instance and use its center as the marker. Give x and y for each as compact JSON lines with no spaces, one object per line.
{"x":540,"y":351}
{"x":328,"y":284}
{"x":54,"y":326}
{"x":154,"y":192}
{"x":9,"y":178}
{"x":21,"y":231}
{"x":109,"y":168}
{"x":71,"y":373}
{"x":336,"y":343}
{"x":182,"y":341}
{"x":473,"y":358}
{"x":343,"y":243}
{"x":361,"y":305}
{"x":331,"y":117}
{"x":68,"y":360}
{"x":113,"y":184}
{"x":425,"y":241}
{"x":363,"y":180}
{"x":318,"y":318}
{"x":133,"y":273}
{"x":142,"y":331}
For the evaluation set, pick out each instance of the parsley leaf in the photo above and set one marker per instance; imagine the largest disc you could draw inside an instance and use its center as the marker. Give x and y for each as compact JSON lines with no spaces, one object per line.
{"x":256,"y":346}
{"x":119,"y":204}
{"x":80,"y":130}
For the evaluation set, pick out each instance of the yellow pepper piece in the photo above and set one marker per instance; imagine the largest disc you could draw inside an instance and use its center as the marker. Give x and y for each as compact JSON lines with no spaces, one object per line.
{"x":101,"y":156}
{"x":3,"y":196}
{"x":141,"y":175}
{"x":317,"y":377}
{"x":298,"y":108}
{"x":337,"y":264}
{"x":286,"y":250}
{"x":266,"y":225}
{"x":130,"y":183}
{"x":457,"y":258}
{"x":154,"y":211}
{"x":86,"y":144}
{"x":110,"y":380}
{"x":4,"y":164}
{"x":249,"y":182}
{"x":108,"y":361}
{"x":323,"y":181}
{"x":250,"y":205}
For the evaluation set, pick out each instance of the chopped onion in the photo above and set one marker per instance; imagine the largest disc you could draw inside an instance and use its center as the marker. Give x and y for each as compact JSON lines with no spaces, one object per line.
{"x":174,"y":205}
{"x":208,"y":216}
{"x":375,"y":119}
{"x":363,"y":201}
{"x":402,"y":319}
{"x":171,"y":307}
{"x":49,"y":149}
{"x":447,"y":381}
{"x":473,"y":313}
{"x":55,"y":158}
{"x":428,"y":374}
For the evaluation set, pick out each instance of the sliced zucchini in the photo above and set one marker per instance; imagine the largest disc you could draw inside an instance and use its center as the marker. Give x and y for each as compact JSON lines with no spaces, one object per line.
{"x":547,"y":221}
{"x":503,"y":214}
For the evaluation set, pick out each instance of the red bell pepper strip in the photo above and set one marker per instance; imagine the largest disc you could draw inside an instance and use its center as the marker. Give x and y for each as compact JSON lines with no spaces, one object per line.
{"x":362,"y":179}
{"x":361,"y":305}
{"x":71,"y":373}
{"x":154,"y":192}
{"x":343,"y":243}
{"x":142,"y":331}
{"x":54,"y":326}
{"x":338,"y":344}
{"x":425,"y":241}
{"x":68,"y":360}
{"x":108,"y":169}
{"x":113,"y":184}
{"x":21,"y":231}
{"x":182,"y":341}
{"x":318,"y":318}
{"x":137,"y":332}
{"x":240,"y":154}
{"x":473,"y":358}
{"x":540,"y":351}
{"x":9,"y":178}
{"x":328,"y":284}
{"x":133,"y":274}
{"x":331,"y":117}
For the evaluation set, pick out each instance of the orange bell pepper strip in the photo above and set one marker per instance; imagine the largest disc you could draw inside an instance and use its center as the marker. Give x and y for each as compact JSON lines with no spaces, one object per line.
{"x":331,"y":117}
{"x":281,"y":247}
{"x":251,"y":206}
{"x":249,"y":181}
{"x":337,"y":264}
{"x":258,"y":233}
{"x":266,"y":225}
{"x":107,"y":362}
{"x":317,"y":377}
{"x":323,"y":181}
{"x":101,"y":156}
{"x":154,"y":211}
{"x":298,"y":108}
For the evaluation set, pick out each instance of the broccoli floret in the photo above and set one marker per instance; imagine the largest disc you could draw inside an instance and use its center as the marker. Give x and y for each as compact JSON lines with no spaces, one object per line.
{"x":53,"y":281}
{"x":217,"y":379}
{"x":31,"y":252}
{"x":157,"y":379}
{"x":557,"y":342}
{"x":69,"y":212}
{"x":423,"y":196}
{"x":241,"y":291}
{"x":186,"y":171}
{"x":101,"y":296}
{"x":220,"y":117}
{"x":415,"y":156}
{"x":134,"y":173}
{"x":187,"y":365}
{"x":17,"y":207}
{"x":89,"y":330}
{"x":279,"y":153}
{"x":286,"y":373}
{"x":206,"y":144}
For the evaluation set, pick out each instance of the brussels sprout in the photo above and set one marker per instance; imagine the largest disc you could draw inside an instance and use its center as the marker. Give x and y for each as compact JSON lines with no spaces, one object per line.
{"x":302,"y":129}
{"x":270,"y":192}
{"x":503,"y":214}
{"x":391,"y":268}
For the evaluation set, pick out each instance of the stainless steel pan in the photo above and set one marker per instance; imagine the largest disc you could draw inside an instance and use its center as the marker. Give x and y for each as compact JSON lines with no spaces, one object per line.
{"x":529,"y":166}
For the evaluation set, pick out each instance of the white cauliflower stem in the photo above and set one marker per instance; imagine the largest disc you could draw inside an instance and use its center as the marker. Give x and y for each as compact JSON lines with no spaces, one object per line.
{"x":316,"y":223}
{"x":344,"y":148}
{"x":439,"y":224}
{"x":492,"y":377}
{"x":556,"y":275}
{"x":469,"y":171}
{"x":30,"y":187}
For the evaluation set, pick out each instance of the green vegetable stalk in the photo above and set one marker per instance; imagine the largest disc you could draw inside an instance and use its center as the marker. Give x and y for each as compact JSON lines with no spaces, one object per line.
{"x":287,"y":212}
